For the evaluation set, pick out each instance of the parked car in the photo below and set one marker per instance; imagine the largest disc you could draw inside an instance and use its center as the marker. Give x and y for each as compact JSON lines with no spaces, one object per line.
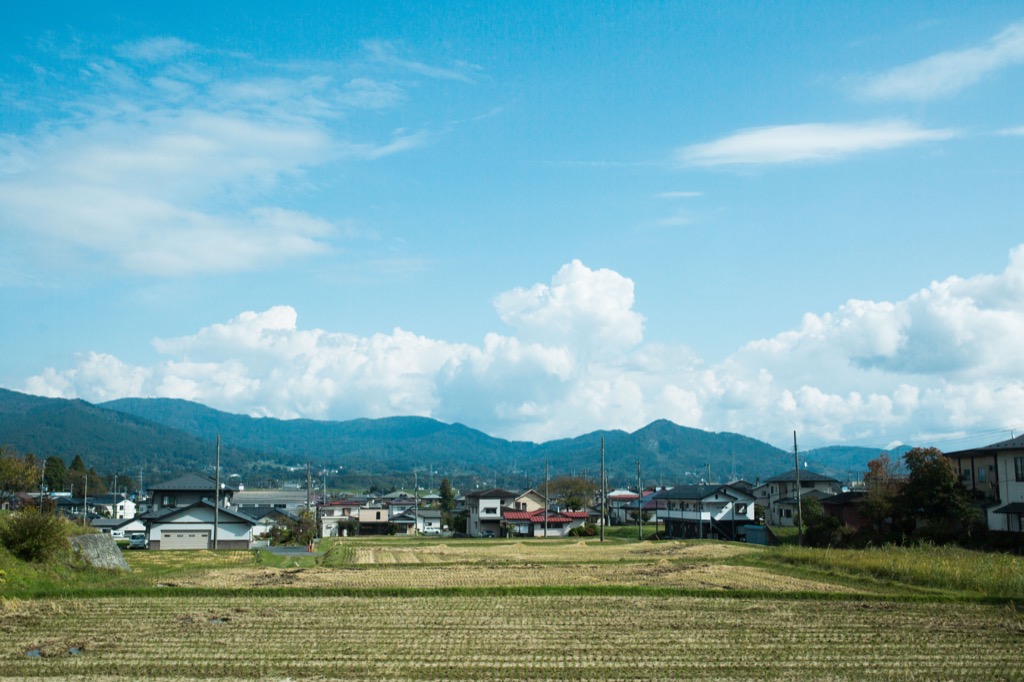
{"x":431,"y":531}
{"x":138,"y":541}
{"x":487,"y":533}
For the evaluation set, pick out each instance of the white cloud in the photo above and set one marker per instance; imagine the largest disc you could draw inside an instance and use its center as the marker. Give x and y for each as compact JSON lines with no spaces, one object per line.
{"x":948,"y":73}
{"x":155,"y":49}
{"x":807,"y":142}
{"x":943,"y":360}
{"x":177,"y":168}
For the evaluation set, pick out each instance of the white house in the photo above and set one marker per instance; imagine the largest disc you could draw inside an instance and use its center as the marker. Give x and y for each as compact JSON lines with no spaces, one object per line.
{"x":705,"y":511}
{"x":192,"y":527}
{"x":996,"y":474}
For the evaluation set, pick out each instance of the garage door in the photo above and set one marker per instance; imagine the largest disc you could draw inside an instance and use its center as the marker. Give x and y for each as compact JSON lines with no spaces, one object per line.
{"x":185,"y":540}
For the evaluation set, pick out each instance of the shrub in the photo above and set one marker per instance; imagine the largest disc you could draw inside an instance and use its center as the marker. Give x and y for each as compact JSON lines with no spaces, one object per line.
{"x":33,"y":536}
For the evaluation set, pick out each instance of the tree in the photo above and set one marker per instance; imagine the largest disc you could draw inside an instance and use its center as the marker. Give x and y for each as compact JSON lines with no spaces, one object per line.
{"x":447,"y":496}
{"x":576,"y":492}
{"x":55,"y":474}
{"x":882,"y":482}
{"x":933,"y":497}
{"x":17,"y":475}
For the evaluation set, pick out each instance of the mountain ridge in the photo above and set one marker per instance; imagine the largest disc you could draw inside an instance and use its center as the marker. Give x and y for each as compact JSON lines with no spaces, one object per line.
{"x":165,"y":435}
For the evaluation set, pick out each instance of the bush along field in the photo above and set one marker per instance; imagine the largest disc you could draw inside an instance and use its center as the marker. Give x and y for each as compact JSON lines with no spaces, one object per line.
{"x":401,"y":609}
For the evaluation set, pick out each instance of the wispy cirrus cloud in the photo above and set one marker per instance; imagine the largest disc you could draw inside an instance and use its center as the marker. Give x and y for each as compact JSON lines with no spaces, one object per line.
{"x":385,"y":52}
{"x":807,"y":142}
{"x":173,"y":167}
{"x":947,"y":73}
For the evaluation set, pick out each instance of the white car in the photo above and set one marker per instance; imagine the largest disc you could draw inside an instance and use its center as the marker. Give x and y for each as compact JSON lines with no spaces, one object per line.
{"x":138,"y":541}
{"x":431,"y":531}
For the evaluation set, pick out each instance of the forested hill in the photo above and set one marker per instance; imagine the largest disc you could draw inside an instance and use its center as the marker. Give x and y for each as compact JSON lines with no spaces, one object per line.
{"x":167,"y":436}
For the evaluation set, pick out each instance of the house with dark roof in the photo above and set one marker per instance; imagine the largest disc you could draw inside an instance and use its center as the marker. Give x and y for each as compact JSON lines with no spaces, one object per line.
{"x":484,"y":507}
{"x":779,"y":494}
{"x":199,"y":525}
{"x":846,"y":508}
{"x":705,"y":511}
{"x":186,"y":490}
{"x":996,"y":475}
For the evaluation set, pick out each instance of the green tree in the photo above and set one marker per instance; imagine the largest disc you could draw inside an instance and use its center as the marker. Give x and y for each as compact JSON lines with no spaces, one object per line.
{"x":33,"y":535}
{"x":17,"y":475}
{"x":447,"y":496}
{"x":55,"y":474}
{"x":933,"y":503}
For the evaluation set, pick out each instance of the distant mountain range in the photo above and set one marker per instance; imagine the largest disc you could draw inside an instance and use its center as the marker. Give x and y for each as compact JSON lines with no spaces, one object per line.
{"x":161,"y":437}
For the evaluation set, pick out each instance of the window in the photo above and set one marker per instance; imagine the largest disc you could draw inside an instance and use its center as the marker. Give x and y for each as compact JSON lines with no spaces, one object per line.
{"x":1018,"y":467}
{"x":741,"y":508}
{"x":981,"y":474}
{"x":378,"y":516}
{"x":168,"y":501}
{"x":787,"y":513}
{"x":490,"y":510}
{"x":966,"y":476}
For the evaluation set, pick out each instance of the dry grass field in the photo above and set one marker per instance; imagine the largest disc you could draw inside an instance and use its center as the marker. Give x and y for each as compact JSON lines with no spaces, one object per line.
{"x":465,"y":610}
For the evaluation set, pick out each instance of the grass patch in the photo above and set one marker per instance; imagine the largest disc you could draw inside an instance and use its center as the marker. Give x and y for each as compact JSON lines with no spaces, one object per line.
{"x":949,"y":569}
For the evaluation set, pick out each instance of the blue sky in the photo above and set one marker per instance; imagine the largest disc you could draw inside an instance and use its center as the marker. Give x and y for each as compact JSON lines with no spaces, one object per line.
{"x":536,"y":219}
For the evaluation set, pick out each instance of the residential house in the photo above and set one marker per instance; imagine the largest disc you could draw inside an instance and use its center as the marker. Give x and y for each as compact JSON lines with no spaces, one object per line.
{"x":118,"y":528}
{"x":268,"y":518}
{"x":778,"y":494}
{"x":846,"y":507}
{"x":705,"y":511}
{"x":186,"y":490}
{"x":118,"y":506}
{"x":485,"y":508}
{"x":193,"y":527}
{"x":374,"y":519}
{"x":997,"y":473}
{"x":332,"y":515}
{"x":540,"y":523}
{"x":618,"y":505}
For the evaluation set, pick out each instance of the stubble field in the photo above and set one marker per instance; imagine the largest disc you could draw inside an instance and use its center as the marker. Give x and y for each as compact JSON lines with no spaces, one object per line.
{"x":471,"y":610}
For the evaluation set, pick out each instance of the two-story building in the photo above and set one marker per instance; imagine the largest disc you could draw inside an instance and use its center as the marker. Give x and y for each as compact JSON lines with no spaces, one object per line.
{"x":704,"y":511}
{"x":778,"y":494}
{"x":996,"y":474}
{"x":485,"y":508}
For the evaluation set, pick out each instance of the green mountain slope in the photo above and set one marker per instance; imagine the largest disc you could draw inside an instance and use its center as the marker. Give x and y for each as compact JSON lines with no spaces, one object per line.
{"x":163,"y":436}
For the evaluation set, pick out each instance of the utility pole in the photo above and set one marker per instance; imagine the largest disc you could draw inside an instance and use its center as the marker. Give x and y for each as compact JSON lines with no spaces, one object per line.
{"x":547,"y":500}
{"x":85,"y":500}
{"x":416,"y":499}
{"x":639,"y":505}
{"x":799,"y":506}
{"x":216,"y":498}
{"x":115,"y":497}
{"x":604,"y":492}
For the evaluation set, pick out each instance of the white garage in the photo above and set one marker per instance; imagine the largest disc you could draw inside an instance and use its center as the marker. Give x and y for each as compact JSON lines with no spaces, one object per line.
{"x":192,"y":527}
{"x":185,"y":540}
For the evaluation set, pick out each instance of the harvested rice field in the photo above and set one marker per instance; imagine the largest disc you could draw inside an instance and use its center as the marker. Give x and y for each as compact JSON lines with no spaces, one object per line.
{"x":504,"y":611}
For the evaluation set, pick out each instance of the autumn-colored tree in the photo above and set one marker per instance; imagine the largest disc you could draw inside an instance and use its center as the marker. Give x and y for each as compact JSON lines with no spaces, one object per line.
{"x":574,"y":491}
{"x":17,"y":475}
{"x":882,"y":483}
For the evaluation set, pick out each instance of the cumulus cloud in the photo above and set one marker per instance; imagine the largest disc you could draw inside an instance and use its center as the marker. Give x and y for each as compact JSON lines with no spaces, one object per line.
{"x":806,"y":142}
{"x":171,"y":167}
{"x":947,"y":73}
{"x":944,"y":360}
